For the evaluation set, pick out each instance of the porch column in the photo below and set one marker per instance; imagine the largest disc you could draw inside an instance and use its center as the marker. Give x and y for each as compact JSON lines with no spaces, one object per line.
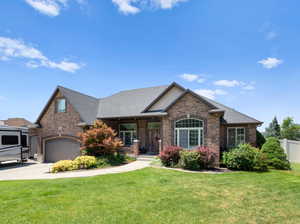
{"x":136,"y":147}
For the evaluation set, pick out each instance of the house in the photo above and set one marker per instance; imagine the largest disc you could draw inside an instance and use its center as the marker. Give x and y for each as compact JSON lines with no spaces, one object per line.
{"x":148,"y":119}
{"x":16,"y":122}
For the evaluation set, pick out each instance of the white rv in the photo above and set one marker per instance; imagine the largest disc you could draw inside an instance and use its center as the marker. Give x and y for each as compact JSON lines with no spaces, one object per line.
{"x":14,"y":144}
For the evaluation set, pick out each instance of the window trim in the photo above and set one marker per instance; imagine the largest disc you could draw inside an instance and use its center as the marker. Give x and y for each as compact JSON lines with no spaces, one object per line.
{"x":236,"y":135}
{"x":201,"y":135}
{"x":132,"y":132}
{"x":56,"y":105}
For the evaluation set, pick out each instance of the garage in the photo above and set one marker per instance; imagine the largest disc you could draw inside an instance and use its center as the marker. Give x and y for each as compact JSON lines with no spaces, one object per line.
{"x":61,"y":149}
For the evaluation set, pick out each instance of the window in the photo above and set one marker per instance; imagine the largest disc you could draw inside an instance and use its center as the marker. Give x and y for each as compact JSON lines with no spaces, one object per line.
{"x":10,"y":140}
{"x":24,"y":141}
{"x":127,"y":133}
{"x":153,"y":125}
{"x":189,"y":133}
{"x":235,"y":136}
{"x":61,"y":105}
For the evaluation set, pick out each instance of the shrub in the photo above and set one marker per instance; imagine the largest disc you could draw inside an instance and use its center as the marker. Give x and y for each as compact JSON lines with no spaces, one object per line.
{"x":85,"y":162}
{"x":260,"y":139}
{"x":100,"y":140}
{"x":190,"y":160}
{"x":208,"y":158}
{"x":170,"y":156}
{"x":64,"y":165}
{"x":246,"y":158}
{"x":276,"y":157}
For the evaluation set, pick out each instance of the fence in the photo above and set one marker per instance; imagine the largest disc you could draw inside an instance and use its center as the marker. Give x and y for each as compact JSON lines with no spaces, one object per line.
{"x":292,"y":149}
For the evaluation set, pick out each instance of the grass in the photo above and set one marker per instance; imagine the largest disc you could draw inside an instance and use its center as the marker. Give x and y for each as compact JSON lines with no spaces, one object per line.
{"x":154,"y":195}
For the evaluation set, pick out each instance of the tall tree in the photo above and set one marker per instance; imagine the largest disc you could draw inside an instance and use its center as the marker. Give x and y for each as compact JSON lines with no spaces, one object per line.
{"x":290,"y":130}
{"x":274,"y":129}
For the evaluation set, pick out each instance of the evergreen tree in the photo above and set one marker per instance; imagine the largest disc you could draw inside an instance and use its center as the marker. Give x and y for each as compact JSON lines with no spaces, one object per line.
{"x":274,"y":129}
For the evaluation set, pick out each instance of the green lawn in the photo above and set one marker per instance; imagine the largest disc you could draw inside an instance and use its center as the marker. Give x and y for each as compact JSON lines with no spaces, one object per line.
{"x":154,"y":195}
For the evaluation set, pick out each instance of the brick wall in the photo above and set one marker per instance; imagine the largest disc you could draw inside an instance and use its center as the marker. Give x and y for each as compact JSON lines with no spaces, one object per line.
{"x":250,"y":133}
{"x":192,"y":106}
{"x":51,"y":122}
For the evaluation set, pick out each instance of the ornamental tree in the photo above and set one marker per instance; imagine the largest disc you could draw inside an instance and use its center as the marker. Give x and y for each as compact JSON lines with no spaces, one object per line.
{"x":100,"y":140}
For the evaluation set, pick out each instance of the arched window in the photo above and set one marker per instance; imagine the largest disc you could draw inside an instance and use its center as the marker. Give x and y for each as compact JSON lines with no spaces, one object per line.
{"x":189,"y":133}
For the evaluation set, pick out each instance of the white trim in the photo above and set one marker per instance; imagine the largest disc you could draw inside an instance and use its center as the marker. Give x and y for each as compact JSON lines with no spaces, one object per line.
{"x":199,"y":129}
{"x":132,"y":132}
{"x":235,"y":133}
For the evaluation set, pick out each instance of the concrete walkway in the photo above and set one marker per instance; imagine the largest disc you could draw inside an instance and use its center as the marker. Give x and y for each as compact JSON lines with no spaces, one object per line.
{"x":33,"y":170}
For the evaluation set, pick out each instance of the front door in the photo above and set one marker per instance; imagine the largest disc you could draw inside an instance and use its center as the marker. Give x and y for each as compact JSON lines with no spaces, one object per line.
{"x":153,"y":137}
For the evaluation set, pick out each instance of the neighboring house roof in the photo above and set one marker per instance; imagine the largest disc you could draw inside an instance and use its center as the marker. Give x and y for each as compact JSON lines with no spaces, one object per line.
{"x":16,"y":122}
{"x":138,"y":103}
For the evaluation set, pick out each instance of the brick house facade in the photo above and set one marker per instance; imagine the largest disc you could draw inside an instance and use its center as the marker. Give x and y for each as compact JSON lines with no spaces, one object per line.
{"x":153,"y":128}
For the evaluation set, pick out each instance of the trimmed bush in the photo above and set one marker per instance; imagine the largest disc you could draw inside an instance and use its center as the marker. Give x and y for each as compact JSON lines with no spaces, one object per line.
{"x":170,"y":156}
{"x":276,"y":157}
{"x":64,"y":165}
{"x":208,"y":158}
{"x":246,"y":158}
{"x":190,"y":160}
{"x":85,"y":162}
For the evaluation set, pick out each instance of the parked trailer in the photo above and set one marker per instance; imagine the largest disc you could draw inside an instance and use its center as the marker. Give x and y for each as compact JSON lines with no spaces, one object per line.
{"x":14,"y":144}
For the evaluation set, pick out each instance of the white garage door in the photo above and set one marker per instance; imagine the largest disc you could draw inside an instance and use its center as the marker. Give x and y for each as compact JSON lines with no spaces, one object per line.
{"x":61,"y":149}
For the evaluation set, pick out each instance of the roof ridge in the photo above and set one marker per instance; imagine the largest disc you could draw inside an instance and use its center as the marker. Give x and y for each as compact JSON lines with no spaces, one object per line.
{"x":75,"y":91}
{"x":143,"y":88}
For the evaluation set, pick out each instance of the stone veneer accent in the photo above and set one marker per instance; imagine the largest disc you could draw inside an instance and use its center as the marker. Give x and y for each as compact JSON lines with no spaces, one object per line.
{"x":192,"y":106}
{"x":52,"y":121}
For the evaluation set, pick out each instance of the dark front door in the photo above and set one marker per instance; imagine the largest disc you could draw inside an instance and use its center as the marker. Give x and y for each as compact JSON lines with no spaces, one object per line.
{"x":153,"y":137}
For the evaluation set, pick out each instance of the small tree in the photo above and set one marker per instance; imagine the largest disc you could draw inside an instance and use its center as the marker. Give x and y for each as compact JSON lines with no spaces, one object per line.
{"x":290,"y":130}
{"x":276,"y":157}
{"x":100,"y":140}
{"x":260,"y":139}
{"x":273,"y":130}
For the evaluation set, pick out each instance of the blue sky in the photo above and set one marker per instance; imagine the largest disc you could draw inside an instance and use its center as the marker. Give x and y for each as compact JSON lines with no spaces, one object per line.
{"x":244,"y":54}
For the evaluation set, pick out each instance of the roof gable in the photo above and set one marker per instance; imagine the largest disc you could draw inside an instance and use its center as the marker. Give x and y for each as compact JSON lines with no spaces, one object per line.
{"x":200,"y":98}
{"x":84,"y":105}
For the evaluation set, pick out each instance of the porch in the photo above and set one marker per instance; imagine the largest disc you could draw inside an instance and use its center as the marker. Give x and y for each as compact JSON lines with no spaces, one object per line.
{"x":139,"y":135}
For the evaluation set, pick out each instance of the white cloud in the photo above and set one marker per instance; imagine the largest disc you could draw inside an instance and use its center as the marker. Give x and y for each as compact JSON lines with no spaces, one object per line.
{"x":227,"y":83}
{"x":189,"y":77}
{"x":126,"y":7}
{"x":50,"y":7}
{"x":12,"y":48}
{"x":2,"y":98}
{"x":248,"y":87}
{"x":209,"y":93}
{"x":47,"y":7}
{"x":270,"y":63}
{"x":135,"y":6}
{"x":271,"y":35}
{"x":167,"y":4}
{"x":192,"y":78}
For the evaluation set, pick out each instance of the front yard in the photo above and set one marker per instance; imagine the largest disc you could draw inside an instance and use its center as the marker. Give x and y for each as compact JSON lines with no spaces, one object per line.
{"x":154,"y":195}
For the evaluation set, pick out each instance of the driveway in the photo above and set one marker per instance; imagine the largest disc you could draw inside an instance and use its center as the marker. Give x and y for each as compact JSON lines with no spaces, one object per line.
{"x":33,"y":170}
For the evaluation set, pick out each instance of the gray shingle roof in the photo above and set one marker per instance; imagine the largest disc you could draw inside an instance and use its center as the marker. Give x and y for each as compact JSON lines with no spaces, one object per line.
{"x":231,"y":116}
{"x":132,"y":103}
{"x":129,"y":103}
{"x":85,"y":105}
